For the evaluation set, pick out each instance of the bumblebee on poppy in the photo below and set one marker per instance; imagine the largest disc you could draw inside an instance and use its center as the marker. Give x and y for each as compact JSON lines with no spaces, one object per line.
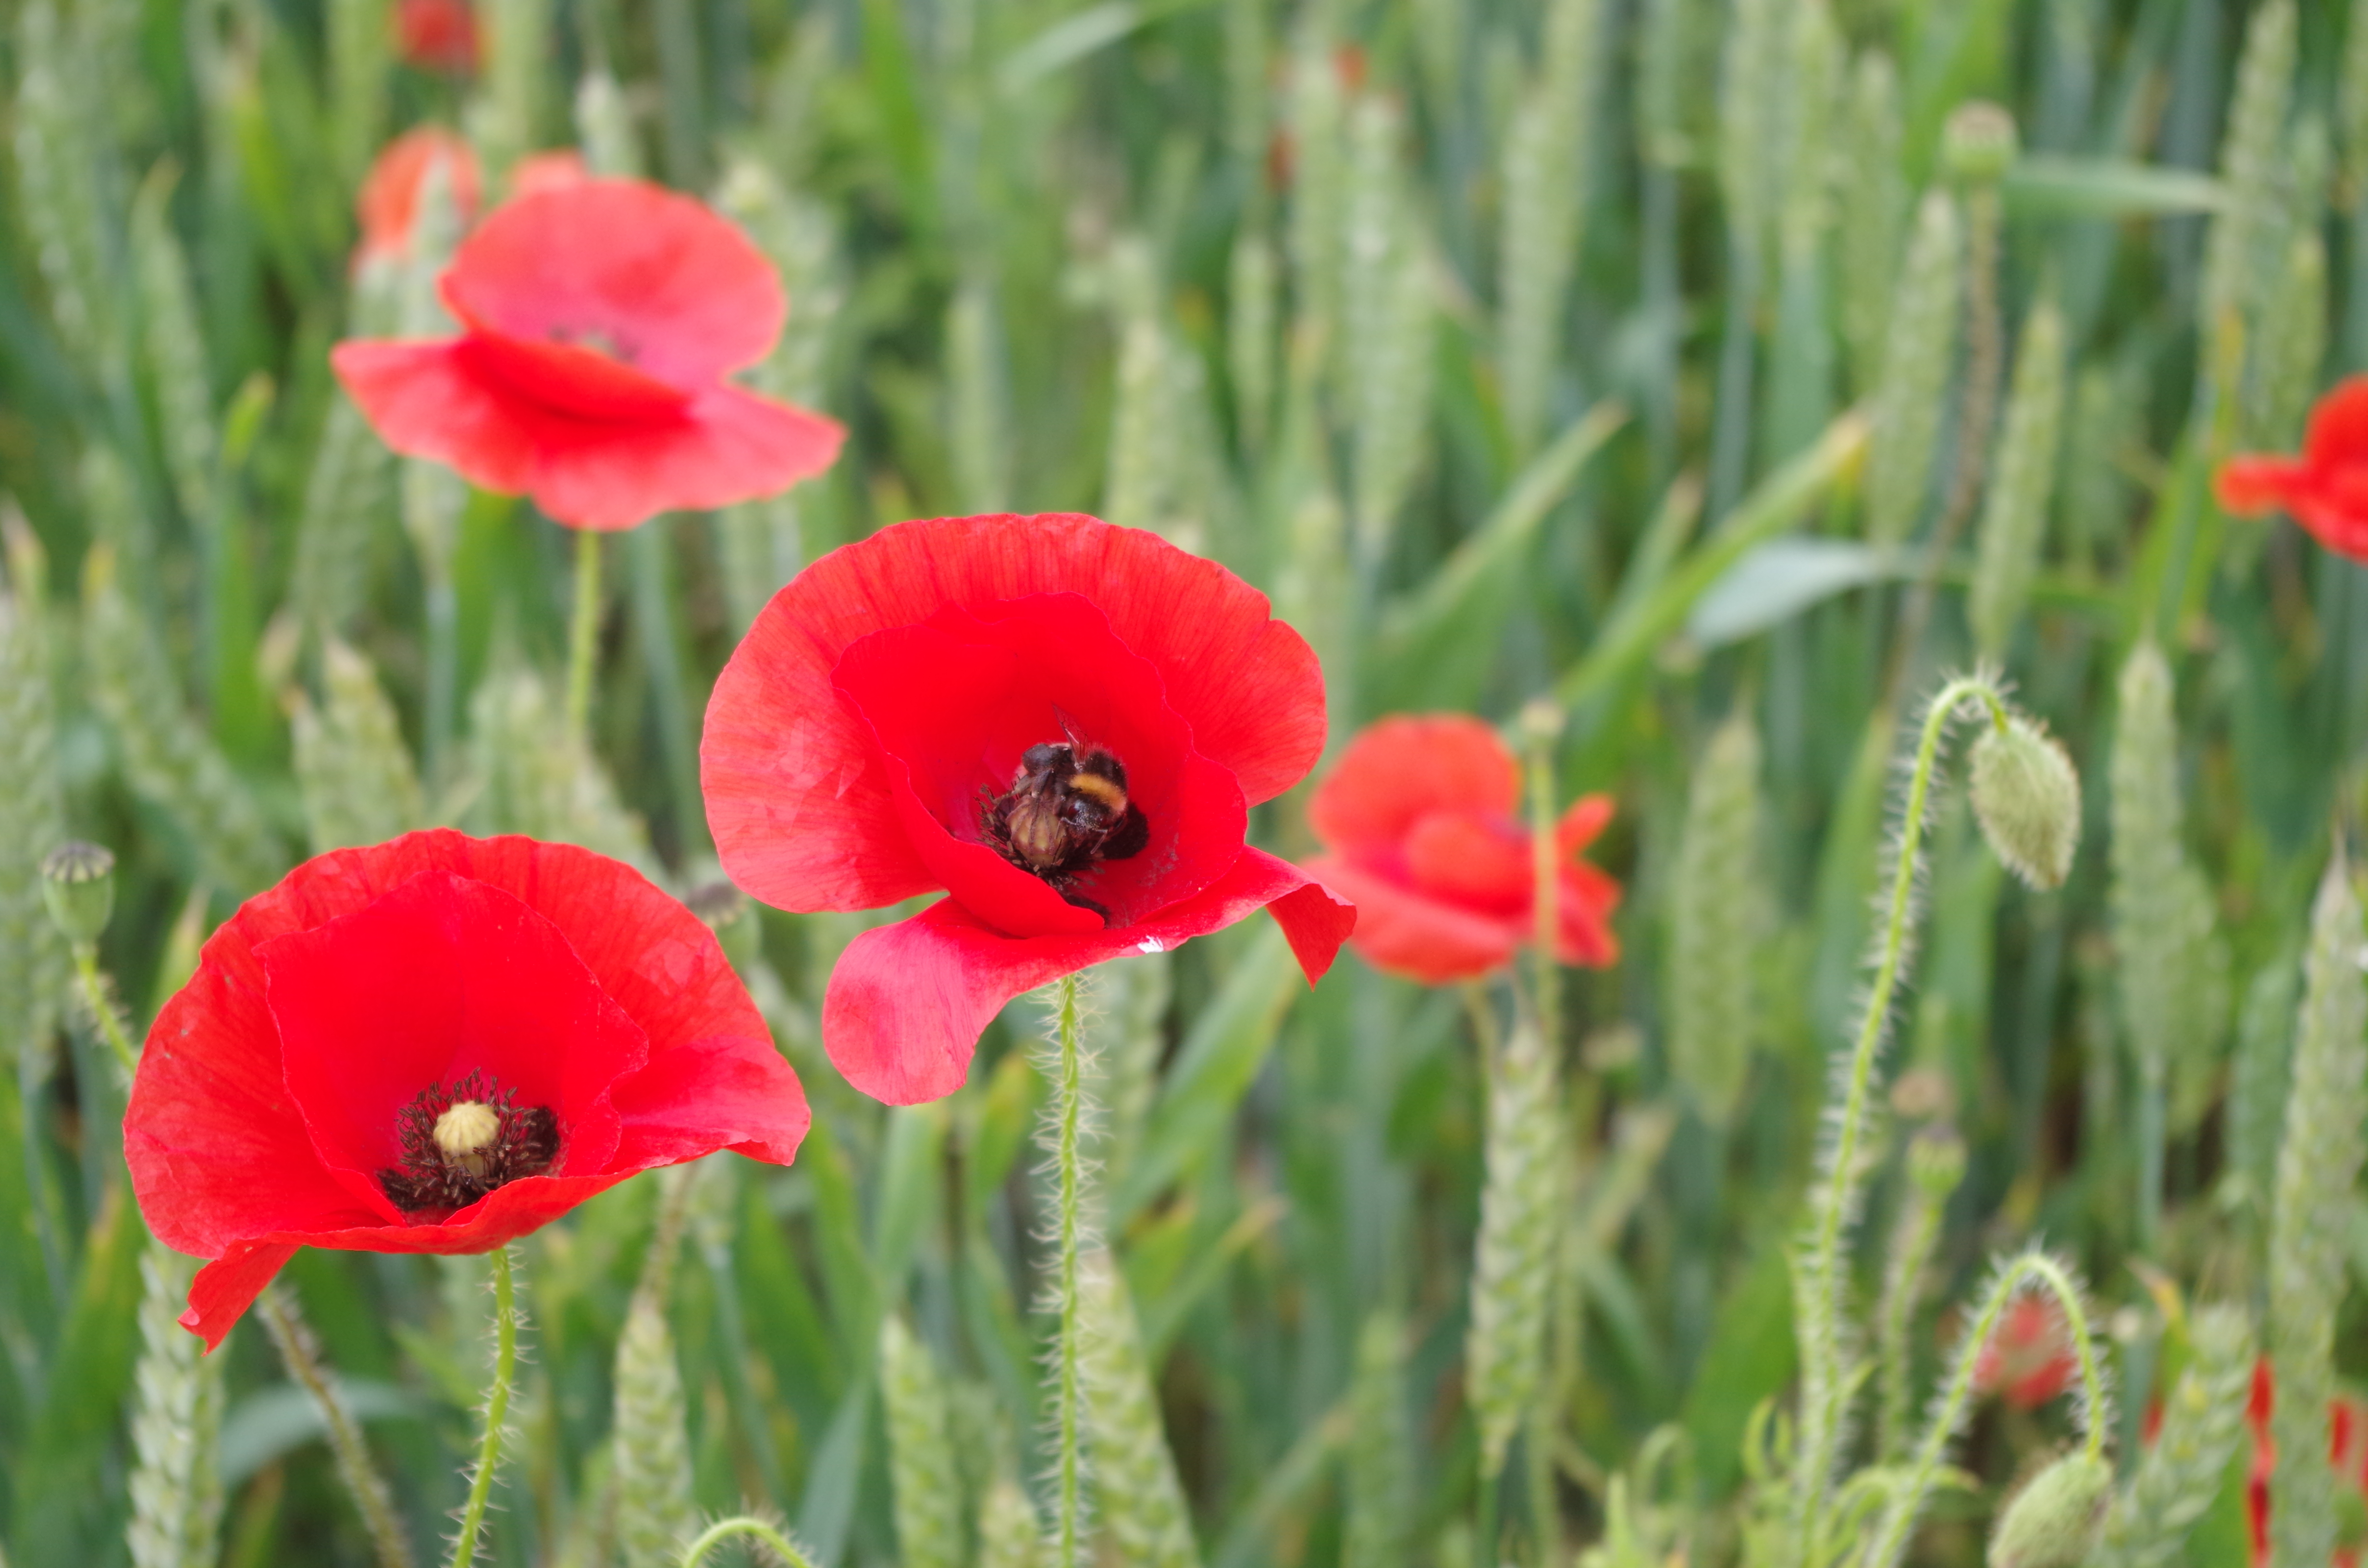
{"x":1066,"y":812}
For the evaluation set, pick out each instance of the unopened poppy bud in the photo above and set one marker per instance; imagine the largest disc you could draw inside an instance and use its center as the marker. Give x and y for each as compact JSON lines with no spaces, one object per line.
{"x":2053,"y":1522}
{"x":1979,"y":143}
{"x":1936,"y":1162}
{"x":2027,"y":798}
{"x":78,"y":883}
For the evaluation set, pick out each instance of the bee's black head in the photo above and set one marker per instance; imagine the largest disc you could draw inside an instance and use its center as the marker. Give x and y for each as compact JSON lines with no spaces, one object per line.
{"x":1046,"y":756}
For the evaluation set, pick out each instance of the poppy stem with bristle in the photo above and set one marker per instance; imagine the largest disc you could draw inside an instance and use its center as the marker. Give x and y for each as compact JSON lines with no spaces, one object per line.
{"x":1069,"y":1154}
{"x":497,"y":1409}
{"x":723,"y":1529}
{"x":294,"y":1337}
{"x":584,"y":632}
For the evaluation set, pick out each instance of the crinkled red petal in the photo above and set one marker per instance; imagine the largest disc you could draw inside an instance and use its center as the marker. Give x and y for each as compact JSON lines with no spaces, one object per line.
{"x":1405,"y":932}
{"x":671,"y":286}
{"x":908,"y":1001}
{"x":802,"y":810}
{"x":570,"y":380}
{"x":1405,"y":766}
{"x":1476,"y":862}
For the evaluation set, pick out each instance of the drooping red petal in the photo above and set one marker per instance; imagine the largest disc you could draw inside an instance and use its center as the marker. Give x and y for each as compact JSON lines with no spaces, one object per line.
{"x":1583,"y":909}
{"x":443,"y":977}
{"x":668,"y":285}
{"x":801,"y":811}
{"x":955,"y":703}
{"x":1405,"y":766}
{"x":2338,"y":434}
{"x":423,"y":402}
{"x":908,"y":1001}
{"x":225,"y":1287}
{"x":1583,"y":823}
{"x":1404,"y":932}
{"x":570,"y":380}
{"x":2248,"y":484}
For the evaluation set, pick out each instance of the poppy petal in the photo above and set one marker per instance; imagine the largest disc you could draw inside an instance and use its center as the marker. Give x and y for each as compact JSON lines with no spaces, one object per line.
{"x":225,"y":1287}
{"x":2338,"y":434}
{"x":1480,"y":863}
{"x":424,"y":402}
{"x":726,"y":446}
{"x":1405,"y":766}
{"x":1402,"y":932}
{"x":731,"y":1093}
{"x":669,"y":285}
{"x":798,"y":804}
{"x":908,"y":1001}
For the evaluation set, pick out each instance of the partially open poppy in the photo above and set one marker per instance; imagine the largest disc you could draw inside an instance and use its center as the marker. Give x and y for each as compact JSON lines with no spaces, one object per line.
{"x":2029,"y":1357}
{"x":1061,"y":723}
{"x":1419,"y":826}
{"x":437,"y":35}
{"x":2326,"y":488}
{"x":388,"y":200}
{"x":436,"y":1045}
{"x":599,"y":322}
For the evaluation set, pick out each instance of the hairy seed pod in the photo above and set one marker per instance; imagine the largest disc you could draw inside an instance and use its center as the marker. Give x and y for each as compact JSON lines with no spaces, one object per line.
{"x":928,"y":1489}
{"x":1521,"y":1223}
{"x":1719,"y":913}
{"x":355,"y":774}
{"x":2022,"y":484}
{"x":1920,"y":343}
{"x":2202,"y":1421}
{"x":1135,"y":1487}
{"x":2027,"y":799}
{"x":1979,"y":142}
{"x":78,"y":883}
{"x":2318,"y":1164}
{"x":2052,"y":1522}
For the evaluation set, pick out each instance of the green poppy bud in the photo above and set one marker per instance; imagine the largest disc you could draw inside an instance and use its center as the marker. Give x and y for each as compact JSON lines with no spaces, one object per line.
{"x":78,"y":883}
{"x":2053,"y":1522}
{"x":1979,"y":144}
{"x":1936,"y":1162}
{"x":2027,"y":798}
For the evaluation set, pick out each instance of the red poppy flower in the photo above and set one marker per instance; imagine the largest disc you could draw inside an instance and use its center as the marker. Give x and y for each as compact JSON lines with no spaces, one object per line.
{"x":600,"y":321}
{"x":438,"y":35}
{"x":539,"y":172}
{"x":436,"y":1045}
{"x":1061,"y":723}
{"x":1419,"y":828}
{"x":388,"y":200}
{"x":2324,"y":489}
{"x":2347,"y":1453}
{"x":2029,"y":1358}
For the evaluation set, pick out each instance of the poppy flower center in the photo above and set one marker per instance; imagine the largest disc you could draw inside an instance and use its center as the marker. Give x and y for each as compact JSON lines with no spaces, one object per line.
{"x":1066,"y":811}
{"x":460,"y":1140}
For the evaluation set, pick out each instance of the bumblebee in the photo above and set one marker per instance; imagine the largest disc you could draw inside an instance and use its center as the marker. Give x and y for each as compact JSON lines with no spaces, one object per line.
{"x":1066,"y":812}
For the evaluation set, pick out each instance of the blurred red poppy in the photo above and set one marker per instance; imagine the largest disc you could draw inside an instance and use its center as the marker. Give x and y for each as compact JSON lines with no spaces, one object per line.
{"x":436,"y":1045}
{"x":437,"y":35}
{"x":389,"y":201}
{"x":599,"y":320}
{"x":1061,"y":723}
{"x":1419,"y":826}
{"x":2347,"y":1452}
{"x":2029,"y":1358}
{"x":2326,"y":488}
{"x":539,"y":172}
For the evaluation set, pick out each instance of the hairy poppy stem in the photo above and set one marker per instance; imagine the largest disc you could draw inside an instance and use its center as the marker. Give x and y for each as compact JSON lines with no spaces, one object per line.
{"x":303,"y":1357}
{"x":102,"y":1007}
{"x":1891,"y":1540}
{"x":497,"y":1409}
{"x":723,"y":1529}
{"x":1824,"y":1378}
{"x":1069,"y":1154}
{"x":583,"y":630}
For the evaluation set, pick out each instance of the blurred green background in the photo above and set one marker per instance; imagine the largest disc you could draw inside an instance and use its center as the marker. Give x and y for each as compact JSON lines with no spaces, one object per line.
{"x":1685,"y":359}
